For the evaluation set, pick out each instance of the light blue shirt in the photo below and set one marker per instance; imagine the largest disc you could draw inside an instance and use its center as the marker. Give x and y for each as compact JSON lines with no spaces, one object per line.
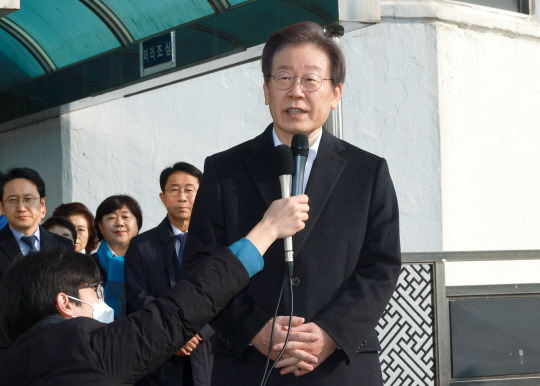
{"x":313,"y":149}
{"x":24,"y":247}
{"x":177,"y":232}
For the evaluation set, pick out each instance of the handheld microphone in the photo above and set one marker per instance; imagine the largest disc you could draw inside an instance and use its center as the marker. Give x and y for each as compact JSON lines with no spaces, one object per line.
{"x":300,"y":150}
{"x":283,"y":163}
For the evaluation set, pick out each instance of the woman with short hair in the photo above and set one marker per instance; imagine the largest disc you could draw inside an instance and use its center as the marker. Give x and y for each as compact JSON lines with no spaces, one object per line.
{"x":118,"y":219}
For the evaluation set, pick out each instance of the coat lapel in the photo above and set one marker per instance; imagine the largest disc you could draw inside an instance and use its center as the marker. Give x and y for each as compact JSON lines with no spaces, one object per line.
{"x":46,"y":241}
{"x":8,"y":244}
{"x":324,"y":176}
{"x":165,"y":235}
{"x":261,"y":170}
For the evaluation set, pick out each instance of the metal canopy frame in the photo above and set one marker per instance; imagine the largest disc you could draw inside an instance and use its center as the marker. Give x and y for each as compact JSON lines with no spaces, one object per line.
{"x":111,"y":20}
{"x":29,"y":43}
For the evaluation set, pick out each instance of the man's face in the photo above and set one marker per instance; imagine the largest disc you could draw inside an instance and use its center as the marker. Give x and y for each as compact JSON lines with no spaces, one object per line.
{"x":21,"y":216}
{"x":179,"y":195}
{"x":296,"y":111}
{"x":87,"y":295}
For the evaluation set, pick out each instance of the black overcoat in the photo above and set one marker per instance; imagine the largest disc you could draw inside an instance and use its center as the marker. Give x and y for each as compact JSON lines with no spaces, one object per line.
{"x":347,"y":259}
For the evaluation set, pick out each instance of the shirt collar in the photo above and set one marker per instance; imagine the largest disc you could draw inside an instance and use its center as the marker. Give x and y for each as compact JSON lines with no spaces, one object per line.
{"x":176,"y":231}
{"x":313,"y":149}
{"x":18,"y":234}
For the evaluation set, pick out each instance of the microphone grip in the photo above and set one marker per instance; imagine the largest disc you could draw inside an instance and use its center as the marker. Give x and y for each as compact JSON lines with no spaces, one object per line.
{"x":285,"y":183}
{"x":298,"y":177}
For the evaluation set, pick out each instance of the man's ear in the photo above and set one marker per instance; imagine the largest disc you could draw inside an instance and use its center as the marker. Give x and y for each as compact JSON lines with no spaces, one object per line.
{"x":266,"y":93}
{"x":43,"y":207}
{"x":64,"y":306}
{"x":162,"y":198}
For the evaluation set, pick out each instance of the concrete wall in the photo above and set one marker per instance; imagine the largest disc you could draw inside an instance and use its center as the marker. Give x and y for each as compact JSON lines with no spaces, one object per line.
{"x":390,"y":108}
{"x":444,"y":91}
{"x":490,"y":139}
{"x":38,"y":146}
{"x":122,"y":145}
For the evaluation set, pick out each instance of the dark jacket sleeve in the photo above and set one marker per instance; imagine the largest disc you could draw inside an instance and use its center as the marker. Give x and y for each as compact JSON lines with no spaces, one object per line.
{"x":135,"y":345}
{"x":207,"y":233}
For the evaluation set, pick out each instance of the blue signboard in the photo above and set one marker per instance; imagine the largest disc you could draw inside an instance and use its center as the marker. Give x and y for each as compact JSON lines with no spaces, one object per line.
{"x":157,"y":54}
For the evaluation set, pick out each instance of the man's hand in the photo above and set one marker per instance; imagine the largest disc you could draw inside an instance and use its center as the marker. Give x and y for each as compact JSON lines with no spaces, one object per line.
{"x":261,"y":341}
{"x":299,"y":349}
{"x":189,"y":346}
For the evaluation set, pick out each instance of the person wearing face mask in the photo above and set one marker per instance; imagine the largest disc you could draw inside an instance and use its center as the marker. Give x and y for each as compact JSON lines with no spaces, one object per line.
{"x":118,"y":219}
{"x":53,"y":309}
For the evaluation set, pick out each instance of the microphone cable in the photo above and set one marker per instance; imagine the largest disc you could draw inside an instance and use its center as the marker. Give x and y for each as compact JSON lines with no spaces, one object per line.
{"x":287,"y":277}
{"x":284,"y":166}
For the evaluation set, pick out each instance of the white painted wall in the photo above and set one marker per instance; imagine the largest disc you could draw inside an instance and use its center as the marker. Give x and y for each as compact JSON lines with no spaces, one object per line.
{"x":490,"y":135}
{"x":390,"y":109}
{"x":37,"y":146}
{"x":121,"y":146}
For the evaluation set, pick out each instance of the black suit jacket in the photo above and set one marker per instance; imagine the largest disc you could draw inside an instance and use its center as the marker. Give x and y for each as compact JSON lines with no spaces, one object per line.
{"x":150,"y":268}
{"x":85,"y":351}
{"x":9,"y":250}
{"x":148,"y":265}
{"x":347,"y":258}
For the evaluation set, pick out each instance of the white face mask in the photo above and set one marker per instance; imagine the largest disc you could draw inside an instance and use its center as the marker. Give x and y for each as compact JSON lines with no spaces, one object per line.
{"x":102,"y":312}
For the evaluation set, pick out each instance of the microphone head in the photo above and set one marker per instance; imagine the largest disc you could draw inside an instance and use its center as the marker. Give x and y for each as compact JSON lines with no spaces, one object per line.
{"x":282,"y":160}
{"x":300,"y":145}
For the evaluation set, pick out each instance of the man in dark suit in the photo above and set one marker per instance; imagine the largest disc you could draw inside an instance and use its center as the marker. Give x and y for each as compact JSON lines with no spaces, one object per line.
{"x":347,"y":259}
{"x":152,"y":267}
{"x":23,"y":203}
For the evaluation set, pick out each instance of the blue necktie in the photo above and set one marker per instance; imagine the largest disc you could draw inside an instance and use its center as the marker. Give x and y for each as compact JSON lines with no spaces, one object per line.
{"x":30,"y":241}
{"x":180,"y":238}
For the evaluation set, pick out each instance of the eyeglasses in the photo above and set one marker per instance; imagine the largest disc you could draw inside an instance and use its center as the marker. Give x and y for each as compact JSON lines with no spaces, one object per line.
{"x":99,"y":289}
{"x":188,"y":191}
{"x":283,"y":80}
{"x":13,"y":201}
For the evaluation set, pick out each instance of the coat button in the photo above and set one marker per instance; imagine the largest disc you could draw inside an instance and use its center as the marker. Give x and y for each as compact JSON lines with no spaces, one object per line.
{"x":295,"y":281}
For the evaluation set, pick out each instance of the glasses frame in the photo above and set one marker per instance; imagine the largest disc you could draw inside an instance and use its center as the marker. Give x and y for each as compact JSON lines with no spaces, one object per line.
{"x":180,"y":190}
{"x":99,"y":289}
{"x":15,"y":203}
{"x":301,"y":80}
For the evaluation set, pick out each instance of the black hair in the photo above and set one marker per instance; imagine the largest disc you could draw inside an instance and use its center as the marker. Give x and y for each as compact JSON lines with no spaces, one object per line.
{"x":30,"y":286}
{"x":27,"y":173}
{"x":306,"y":32}
{"x":112,"y":203}
{"x":178,"y":167}
{"x":63,"y":222}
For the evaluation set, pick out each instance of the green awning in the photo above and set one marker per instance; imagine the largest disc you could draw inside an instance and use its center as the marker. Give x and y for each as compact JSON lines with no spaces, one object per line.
{"x":56,"y":51}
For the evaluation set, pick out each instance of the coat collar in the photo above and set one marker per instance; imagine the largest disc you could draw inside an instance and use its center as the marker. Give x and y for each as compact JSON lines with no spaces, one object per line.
{"x":8,"y":243}
{"x":324,"y":176}
{"x":259,"y":165}
{"x":164,"y":231}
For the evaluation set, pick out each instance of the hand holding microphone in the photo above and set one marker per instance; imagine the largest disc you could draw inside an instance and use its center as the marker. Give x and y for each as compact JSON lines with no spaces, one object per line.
{"x":284,"y":217}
